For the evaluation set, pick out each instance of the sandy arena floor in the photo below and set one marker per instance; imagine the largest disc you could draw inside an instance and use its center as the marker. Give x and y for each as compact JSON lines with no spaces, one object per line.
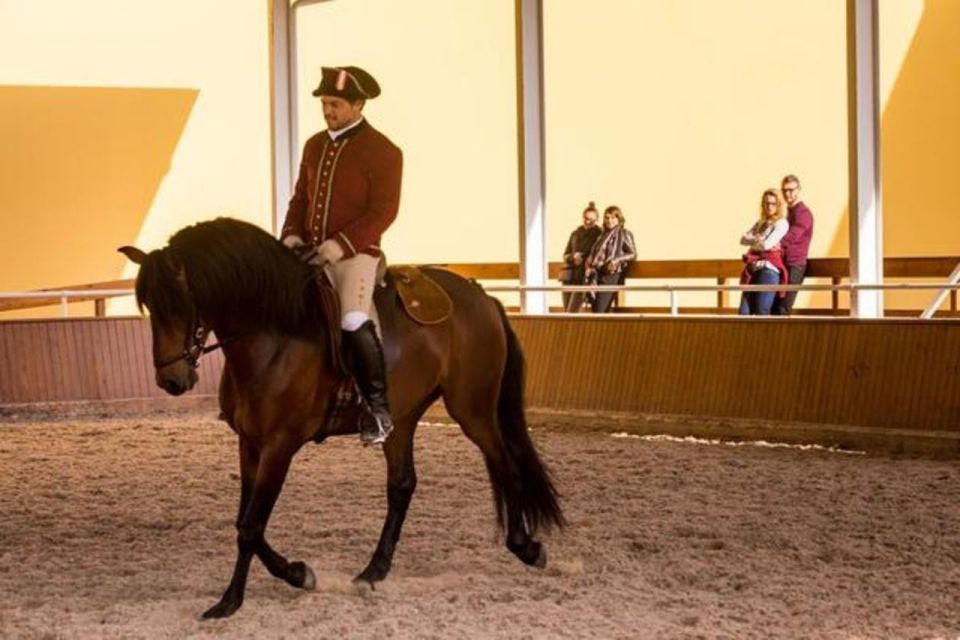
{"x":122,"y":527}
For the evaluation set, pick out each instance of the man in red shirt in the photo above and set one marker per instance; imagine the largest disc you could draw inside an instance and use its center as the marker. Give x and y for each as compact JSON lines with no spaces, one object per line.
{"x":347,"y":194}
{"x":796,"y":244}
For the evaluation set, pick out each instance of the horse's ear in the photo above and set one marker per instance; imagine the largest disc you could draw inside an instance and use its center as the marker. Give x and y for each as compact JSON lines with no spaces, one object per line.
{"x":134,"y":254}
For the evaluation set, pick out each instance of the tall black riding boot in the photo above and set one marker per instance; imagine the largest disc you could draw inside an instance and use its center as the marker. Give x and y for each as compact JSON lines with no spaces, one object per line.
{"x":370,"y":370}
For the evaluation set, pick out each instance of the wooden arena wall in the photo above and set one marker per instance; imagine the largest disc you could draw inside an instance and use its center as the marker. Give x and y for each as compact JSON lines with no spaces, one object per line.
{"x":899,"y":374}
{"x":883,"y":375}
{"x":84,"y":359}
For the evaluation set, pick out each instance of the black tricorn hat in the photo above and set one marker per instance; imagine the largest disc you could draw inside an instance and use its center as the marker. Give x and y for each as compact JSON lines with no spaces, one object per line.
{"x":349,"y":83}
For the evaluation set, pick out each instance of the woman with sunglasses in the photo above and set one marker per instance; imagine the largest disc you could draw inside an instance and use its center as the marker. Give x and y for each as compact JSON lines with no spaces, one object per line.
{"x":763,"y":262}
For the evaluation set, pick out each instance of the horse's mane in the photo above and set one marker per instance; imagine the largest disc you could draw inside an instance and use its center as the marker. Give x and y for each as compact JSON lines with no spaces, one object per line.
{"x":233,"y":270}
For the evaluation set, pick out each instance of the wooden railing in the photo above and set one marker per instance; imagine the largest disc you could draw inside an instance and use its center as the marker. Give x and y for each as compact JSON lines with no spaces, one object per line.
{"x":99,"y":299}
{"x":836,"y":270}
{"x":723,"y":272}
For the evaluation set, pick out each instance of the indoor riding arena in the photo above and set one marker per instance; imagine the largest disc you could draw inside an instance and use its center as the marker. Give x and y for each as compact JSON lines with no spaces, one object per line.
{"x":120,"y":516}
{"x":652,"y":455}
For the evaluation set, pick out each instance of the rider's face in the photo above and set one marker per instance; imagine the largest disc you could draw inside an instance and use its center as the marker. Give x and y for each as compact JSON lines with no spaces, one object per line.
{"x":340,"y":113}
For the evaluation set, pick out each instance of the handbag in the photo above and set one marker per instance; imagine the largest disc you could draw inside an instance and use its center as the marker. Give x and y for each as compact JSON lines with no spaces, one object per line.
{"x":566,"y":275}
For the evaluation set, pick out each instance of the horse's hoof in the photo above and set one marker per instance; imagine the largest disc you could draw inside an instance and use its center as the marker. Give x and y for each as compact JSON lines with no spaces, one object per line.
{"x":223,"y":609}
{"x":363,"y":587}
{"x":541,"y":560}
{"x":363,"y":583}
{"x":303,"y":576}
{"x":375,"y":572}
{"x":530,"y":553}
{"x":370,"y":576}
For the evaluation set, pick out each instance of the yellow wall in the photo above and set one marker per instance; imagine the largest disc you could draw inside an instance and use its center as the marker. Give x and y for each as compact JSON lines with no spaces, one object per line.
{"x":124,"y":121}
{"x":683,"y":112}
{"x":446,"y":68}
{"x":920,"y":134}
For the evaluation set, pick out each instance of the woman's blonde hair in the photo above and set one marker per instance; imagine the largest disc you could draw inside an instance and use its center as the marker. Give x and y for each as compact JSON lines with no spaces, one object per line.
{"x":779,"y":213}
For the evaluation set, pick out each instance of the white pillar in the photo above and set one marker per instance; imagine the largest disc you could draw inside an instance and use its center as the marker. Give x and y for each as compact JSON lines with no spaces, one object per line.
{"x":866,"y":212}
{"x":533,"y":257}
{"x":286,"y":144}
{"x":283,"y":122}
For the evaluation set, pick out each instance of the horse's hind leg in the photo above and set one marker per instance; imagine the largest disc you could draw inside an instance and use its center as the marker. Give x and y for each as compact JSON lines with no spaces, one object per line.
{"x":481,"y":428}
{"x":401,"y":482}
{"x":262,"y":479}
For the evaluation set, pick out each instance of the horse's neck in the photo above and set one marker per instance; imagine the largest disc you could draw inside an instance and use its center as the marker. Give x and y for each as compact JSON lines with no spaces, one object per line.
{"x":257,"y":355}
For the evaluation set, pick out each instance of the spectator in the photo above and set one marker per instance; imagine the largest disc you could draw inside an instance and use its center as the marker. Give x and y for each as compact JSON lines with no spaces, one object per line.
{"x":764,"y":260}
{"x":575,"y":256}
{"x":796,"y":244}
{"x":609,"y":258}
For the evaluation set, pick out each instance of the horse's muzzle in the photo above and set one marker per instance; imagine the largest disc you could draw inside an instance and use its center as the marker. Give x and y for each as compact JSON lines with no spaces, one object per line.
{"x":177,"y":385}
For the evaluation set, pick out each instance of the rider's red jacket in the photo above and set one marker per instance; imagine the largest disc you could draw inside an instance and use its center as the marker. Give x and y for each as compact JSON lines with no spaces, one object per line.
{"x":348,"y":189}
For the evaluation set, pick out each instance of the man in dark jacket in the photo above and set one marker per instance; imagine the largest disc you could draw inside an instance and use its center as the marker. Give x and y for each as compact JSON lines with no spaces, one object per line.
{"x":347,"y":194}
{"x":796,"y":244}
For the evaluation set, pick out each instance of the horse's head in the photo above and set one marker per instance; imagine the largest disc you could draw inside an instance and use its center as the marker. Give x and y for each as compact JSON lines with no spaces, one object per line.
{"x":178,"y":333}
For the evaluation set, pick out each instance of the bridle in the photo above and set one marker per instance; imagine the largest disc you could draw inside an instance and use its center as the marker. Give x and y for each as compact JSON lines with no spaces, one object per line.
{"x":196,"y":346}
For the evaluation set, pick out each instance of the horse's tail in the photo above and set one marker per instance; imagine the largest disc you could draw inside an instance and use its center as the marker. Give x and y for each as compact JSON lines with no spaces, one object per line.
{"x":537,"y":497}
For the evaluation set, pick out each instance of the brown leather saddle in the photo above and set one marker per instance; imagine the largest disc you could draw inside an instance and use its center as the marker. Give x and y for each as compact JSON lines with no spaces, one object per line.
{"x":422,"y":299}
{"x":425,"y":301}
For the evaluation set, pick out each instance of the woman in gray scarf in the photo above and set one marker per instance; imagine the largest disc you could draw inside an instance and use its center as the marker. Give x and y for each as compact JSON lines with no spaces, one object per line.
{"x":609,"y":258}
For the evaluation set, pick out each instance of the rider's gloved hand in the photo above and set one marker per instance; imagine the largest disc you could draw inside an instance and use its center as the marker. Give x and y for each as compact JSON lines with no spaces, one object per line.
{"x":292,"y":242}
{"x":329,"y":251}
{"x":304,"y":251}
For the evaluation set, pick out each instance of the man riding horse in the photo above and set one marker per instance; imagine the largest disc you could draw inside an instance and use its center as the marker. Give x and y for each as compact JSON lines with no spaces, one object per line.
{"x":346,"y":196}
{"x":279,"y":380}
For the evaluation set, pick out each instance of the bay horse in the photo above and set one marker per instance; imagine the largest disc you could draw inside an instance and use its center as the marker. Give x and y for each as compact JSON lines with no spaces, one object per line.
{"x":278,"y":384}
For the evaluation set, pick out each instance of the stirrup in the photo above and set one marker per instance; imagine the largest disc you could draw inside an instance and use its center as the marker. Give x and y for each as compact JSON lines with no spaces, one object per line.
{"x":374,"y":429}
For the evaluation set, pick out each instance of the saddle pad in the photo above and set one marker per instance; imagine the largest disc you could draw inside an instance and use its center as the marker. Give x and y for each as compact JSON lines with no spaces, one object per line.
{"x":423,"y":299}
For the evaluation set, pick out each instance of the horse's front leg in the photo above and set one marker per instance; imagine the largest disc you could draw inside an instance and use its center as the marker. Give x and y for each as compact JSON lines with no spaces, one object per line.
{"x":296,"y":574}
{"x":401,"y":482}
{"x":262,"y":479}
